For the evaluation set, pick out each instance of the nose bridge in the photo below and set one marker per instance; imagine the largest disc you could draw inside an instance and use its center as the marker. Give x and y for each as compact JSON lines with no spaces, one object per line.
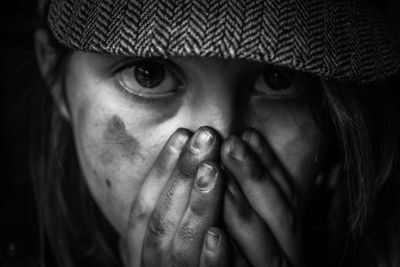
{"x":220,"y":111}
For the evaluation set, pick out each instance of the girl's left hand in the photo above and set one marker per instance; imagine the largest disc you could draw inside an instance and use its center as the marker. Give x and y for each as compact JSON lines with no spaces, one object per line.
{"x":260,"y":204}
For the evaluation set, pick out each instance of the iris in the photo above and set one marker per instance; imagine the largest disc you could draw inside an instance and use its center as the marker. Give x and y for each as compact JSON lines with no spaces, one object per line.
{"x":149,"y":74}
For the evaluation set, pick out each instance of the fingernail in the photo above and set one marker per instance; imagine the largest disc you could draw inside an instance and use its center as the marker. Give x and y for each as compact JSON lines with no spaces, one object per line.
{"x":232,"y":187}
{"x":248,"y":136}
{"x":203,"y":139}
{"x":234,"y":192}
{"x":206,"y":176}
{"x":212,"y":240}
{"x":179,"y":139}
{"x":237,"y":149}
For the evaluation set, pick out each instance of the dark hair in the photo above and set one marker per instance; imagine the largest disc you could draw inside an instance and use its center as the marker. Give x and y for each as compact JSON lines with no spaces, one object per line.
{"x":366,"y":124}
{"x":71,"y":227}
{"x":366,"y":119}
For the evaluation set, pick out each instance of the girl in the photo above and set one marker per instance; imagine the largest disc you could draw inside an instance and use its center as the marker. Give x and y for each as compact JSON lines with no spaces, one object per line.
{"x":216,"y":133}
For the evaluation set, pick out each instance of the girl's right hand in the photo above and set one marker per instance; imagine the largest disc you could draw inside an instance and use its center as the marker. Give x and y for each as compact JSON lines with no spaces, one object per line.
{"x":173,"y":214}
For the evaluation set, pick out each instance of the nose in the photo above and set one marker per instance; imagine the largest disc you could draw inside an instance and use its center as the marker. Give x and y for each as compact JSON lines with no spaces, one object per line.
{"x":220,"y":110}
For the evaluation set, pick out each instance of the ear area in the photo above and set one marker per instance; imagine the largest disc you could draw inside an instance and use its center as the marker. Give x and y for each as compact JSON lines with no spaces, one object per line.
{"x":48,"y":59}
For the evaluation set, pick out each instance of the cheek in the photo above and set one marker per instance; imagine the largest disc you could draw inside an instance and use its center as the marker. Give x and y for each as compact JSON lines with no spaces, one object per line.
{"x":118,"y":143}
{"x":295,"y":138}
{"x":115,"y":157}
{"x":116,"y":140}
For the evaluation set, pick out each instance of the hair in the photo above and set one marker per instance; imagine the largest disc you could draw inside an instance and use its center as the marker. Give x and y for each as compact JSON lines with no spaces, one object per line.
{"x":72,"y":230}
{"x":364,"y":120}
{"x":69,"y":219}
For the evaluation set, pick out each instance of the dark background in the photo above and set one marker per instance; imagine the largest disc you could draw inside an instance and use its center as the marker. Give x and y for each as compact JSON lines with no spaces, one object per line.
{"x":18,"y":227}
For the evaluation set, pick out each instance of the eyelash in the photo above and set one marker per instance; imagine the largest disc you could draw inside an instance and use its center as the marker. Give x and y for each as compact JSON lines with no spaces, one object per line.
{"x":136,"y":98}
{"x":132,"y":97}
{"x":122,"y":65}
{"x":292,"y":91}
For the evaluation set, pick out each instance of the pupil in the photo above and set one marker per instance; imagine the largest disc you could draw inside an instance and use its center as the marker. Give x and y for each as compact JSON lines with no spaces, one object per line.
{"x":277,"y":80}
{"x":149,"y":74}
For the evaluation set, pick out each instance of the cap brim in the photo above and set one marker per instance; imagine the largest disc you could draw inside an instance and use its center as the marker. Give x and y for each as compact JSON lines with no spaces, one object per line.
{"x":343,"y":40}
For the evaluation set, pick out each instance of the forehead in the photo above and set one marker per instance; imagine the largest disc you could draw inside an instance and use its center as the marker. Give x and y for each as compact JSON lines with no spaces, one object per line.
{"x":192,"y":64}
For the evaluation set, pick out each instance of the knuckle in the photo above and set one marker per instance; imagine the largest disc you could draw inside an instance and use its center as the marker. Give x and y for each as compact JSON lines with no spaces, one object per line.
{"x":169,"y":196}
{"x":177,"y":259}
{"x":151,"y":242}
{"x":139,"y":212}
{"x":156,"y":230}
{"x":198,"y":208}
{"x":160,"y":168}
{"x":188,"y":233}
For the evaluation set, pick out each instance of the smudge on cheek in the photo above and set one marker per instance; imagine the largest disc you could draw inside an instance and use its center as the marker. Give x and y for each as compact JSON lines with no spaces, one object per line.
{"x":119,"y":143}
{"x":108,"y":183}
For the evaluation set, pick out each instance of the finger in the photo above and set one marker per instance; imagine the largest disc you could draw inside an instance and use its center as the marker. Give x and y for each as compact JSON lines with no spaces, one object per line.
{"x":237,"y":258}
{"x":270,"y":163}
{"x":216,"y":251}
{"x":202,"y":212}
{"x":251,"y":234}
{"x":165,"y":218}
{"x":263,"y":194}
{"x":150,"y":190}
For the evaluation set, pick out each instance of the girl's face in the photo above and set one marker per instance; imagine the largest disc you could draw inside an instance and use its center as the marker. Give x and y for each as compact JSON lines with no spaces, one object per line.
{"x":123,"y":110}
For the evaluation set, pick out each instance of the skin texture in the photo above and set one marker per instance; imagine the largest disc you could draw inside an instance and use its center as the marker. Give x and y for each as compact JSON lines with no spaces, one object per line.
{"x":116,"y":134}
{"x":119,"y":139}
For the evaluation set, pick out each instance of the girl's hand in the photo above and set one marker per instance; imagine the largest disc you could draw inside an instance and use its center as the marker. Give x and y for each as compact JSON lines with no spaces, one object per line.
{"x":179,"y":202}
{"x":260,"y":204}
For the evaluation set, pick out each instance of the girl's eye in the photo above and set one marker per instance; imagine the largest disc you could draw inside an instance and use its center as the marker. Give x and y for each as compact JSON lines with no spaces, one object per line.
{"x":149,"y":75}
{"x":276,"y":83}
{"x":148,"y":79}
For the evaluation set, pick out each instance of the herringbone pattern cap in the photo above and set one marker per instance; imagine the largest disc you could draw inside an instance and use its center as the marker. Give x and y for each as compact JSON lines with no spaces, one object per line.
{"x":339,"y":39}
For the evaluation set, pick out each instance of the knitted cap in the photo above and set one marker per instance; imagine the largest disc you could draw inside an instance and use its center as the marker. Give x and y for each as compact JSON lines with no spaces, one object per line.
{"x":339,"y":39}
